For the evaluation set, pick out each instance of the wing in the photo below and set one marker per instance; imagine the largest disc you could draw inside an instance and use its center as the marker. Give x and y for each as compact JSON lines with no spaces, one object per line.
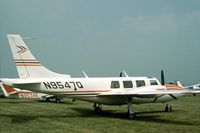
{"x":147,"y":91}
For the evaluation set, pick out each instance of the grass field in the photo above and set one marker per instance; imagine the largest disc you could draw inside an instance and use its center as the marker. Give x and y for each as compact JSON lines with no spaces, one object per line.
{"x":25,"y":115}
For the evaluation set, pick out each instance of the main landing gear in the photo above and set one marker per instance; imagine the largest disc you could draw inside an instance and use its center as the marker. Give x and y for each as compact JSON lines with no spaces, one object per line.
{"x":131,"y":113}
{"x":57,"y":100}
{"x":168,"y":108}
{"x":97,"y":108}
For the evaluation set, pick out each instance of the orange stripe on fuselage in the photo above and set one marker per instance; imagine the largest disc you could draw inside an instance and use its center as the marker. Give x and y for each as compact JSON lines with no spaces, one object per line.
{"x":28,"y":65}
{"x":160,"y":89}
{"x":84,"y":91}
{"x":25,"y":60}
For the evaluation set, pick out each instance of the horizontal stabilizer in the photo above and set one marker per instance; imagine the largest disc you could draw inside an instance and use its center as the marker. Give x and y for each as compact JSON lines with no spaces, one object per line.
{"x":25,"y":84}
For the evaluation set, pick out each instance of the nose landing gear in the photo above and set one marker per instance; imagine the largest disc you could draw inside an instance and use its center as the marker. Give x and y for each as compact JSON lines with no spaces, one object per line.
{"x":97,"y":108}
{"x":168,"y":108}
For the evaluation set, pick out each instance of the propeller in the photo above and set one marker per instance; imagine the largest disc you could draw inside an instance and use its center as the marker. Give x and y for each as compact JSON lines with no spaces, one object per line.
{"x":156,"y":98}
{"x":163,"y":83}
{"x":173,"y":96}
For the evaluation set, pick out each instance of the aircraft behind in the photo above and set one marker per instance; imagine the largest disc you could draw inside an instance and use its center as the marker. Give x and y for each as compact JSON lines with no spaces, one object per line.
{"x":194,"y":88}
{"x":10,"y":92}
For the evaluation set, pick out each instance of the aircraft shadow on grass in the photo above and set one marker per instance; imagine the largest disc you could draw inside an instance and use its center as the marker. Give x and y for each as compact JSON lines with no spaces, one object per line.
{"x":23,"y":118}
{"x":148,"y":116}
{"x":140,"y":116}
{"x":36,"y":101}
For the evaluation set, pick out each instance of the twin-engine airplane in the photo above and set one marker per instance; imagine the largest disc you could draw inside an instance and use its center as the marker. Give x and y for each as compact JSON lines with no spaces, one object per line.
{"x":110,"y":91}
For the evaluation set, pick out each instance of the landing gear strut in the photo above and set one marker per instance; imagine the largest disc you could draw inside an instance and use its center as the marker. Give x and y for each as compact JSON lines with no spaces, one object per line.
{"x":168,"y":108}
{"x":131,"y":113}
{"x":97,"y":108}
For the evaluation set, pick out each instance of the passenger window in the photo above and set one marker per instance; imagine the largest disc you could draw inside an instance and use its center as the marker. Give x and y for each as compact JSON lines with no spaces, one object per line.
{"x":128,"y":84}
{"x":153,"y":82}
{"x":140,"y":83}
{"x":114,"y":84}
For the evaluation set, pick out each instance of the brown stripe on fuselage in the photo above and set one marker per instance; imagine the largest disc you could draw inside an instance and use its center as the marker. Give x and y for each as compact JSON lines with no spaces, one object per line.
{"x":160,"y":89}
{"x":92,"y":91}
{"x":28,"y":65}
{"x":25,"y":60}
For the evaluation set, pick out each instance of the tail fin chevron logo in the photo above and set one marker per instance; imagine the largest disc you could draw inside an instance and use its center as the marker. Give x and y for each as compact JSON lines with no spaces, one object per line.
{"x":22,"y":49}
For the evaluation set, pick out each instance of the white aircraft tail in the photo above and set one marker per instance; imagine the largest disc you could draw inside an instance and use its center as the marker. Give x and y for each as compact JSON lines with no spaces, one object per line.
{"x":178,"y":82}
{"x":27,"y":65}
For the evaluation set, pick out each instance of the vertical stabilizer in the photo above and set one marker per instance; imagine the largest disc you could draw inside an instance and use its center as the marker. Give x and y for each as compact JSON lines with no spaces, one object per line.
{"x":178,"y":82}
{"x":27,"y":65}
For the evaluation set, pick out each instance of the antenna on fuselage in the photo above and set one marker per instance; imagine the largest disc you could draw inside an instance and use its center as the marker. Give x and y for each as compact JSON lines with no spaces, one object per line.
{"x":123,"y":72}
{"x":84,"y":74}
{"x":126,"y":75}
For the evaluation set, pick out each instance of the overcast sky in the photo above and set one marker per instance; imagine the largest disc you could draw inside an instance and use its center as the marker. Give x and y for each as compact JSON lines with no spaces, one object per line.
{"x":104,"y":37}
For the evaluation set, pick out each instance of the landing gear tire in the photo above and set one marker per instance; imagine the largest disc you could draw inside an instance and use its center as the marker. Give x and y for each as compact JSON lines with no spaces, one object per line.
{"x":168,"y":108}
{"x":131,"y":115}
{"x":57,"y":100}
{"x":47,"y":100}
{"x":97,"y":108}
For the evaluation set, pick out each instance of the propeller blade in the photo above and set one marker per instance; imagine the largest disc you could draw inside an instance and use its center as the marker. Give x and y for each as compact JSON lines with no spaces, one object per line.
{"x":173,"y":96}
{"x":162,"y":77}
{"x":155,"y":100}
{"x":120,"y":75}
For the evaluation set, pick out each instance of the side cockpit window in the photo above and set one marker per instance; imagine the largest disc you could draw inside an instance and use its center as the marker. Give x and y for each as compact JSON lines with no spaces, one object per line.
{"x":128,"y":84}
{"x":140,"y":83}
{"x":153,"y":82}
{"x":115,"y":84}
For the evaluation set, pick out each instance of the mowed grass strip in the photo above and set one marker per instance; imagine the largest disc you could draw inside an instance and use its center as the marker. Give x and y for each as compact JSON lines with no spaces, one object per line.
{"x":28,"y":115}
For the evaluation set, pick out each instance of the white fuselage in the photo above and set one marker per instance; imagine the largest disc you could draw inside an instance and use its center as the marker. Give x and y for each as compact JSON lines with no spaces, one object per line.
{"x":90,"y":89}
